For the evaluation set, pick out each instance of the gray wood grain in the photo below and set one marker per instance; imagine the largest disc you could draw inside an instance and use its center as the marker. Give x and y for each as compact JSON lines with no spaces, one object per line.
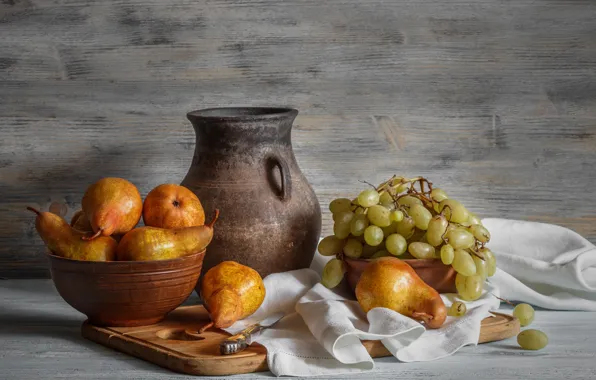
{"x":493,"y":100}
{"x":41,"y":338}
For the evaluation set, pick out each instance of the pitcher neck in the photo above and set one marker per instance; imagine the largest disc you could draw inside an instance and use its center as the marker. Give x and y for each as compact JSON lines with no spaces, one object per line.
{"x":242,"y":126}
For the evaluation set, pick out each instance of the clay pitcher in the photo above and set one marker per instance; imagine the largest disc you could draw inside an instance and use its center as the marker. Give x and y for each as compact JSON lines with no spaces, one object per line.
{"x":244,"y":165}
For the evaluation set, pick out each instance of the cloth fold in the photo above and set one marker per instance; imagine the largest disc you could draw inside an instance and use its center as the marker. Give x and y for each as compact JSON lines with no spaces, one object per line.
{"x":322,"y":330}
{"x":543,"y":264}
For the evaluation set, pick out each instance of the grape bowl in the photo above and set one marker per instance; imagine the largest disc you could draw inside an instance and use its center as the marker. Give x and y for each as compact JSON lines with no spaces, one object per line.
{"x":412,"y":220}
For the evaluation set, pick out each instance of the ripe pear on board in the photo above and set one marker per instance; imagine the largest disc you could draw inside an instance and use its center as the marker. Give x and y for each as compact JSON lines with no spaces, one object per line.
{"x":231,"y":291}
{"x":391,"y":283}
{"x":113,"y":206}
{"x":64,"y":241}
{"x":153,"y":243}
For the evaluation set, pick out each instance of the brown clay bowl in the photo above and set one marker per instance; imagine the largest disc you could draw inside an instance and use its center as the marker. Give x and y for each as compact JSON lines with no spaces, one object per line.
{"x":125,"y":293}
{"x":437,"y":275}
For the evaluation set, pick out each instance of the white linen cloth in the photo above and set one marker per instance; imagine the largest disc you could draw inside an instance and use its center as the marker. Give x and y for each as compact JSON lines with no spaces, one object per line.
{"x":321,"y":332}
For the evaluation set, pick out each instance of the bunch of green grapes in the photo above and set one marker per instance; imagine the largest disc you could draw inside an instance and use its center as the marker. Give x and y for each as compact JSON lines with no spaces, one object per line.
{"x":409,"y":219}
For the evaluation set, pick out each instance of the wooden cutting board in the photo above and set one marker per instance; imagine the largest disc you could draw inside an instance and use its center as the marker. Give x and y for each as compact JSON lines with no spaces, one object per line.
{"x":175,"y":344}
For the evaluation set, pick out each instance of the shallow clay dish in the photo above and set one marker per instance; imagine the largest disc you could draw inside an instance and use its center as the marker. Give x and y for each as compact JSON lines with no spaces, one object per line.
{"x":439,"y":276}
{"x":125,"y":293}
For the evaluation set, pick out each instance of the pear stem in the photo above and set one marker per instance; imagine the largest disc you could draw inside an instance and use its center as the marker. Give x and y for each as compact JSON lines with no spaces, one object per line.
{"x":206,"y":327}
{"x":424,"y":316}
{"x":87,"y":238}
{"x":212,"y":222}
{"x":34,"y":210}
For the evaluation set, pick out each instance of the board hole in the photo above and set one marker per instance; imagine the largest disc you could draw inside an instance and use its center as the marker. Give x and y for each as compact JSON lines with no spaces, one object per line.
{"x":178,"y":334}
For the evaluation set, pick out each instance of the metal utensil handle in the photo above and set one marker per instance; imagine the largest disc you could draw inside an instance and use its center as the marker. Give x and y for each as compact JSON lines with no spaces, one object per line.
{"x":240,"y":341}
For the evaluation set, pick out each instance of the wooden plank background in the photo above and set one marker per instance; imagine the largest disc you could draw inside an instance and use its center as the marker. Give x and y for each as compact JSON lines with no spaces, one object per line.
{"x":493,"y":100}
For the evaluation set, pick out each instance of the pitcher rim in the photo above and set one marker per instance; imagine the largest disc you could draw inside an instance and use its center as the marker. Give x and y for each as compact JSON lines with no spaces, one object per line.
{"x":241,"y":113}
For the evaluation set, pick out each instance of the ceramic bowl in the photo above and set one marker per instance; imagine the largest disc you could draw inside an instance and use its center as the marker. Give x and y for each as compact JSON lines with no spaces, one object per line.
{"x":439,"y":276}
{"x":125,"y":293}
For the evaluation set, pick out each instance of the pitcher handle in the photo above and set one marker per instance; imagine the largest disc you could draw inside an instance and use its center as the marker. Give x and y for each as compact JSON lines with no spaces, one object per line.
{"x":286,"y":179}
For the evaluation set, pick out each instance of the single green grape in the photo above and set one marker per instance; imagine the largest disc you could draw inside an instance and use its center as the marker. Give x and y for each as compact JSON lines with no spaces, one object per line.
{"x":469,"y":288}
{"x":491,"y":261}
{"x":397,"y":181}
{"x":463,"y":263}
{"x":456,"y":212}
{"x":421,"y":216}
{"x":340,"y":204}
{"x":396,"y":215}
{"x":447,"y":254}
{"x":401,"y":188}
{"x":473,"y":219}
{"x":390,"y":229}
{"x":341,"y":230}
{"x":409,"y":200}
{"x":373,"y":235}
{"x":525,"y":313}
{"x":453,"y":226}
{"x":358,"y":224}
{"x":436,"y":229}
{"x":459,"y":238}
{"x":385,"y":198}
{"x":438,"y":194}
{"x":481,"y":267}
{"x":396,"y":244}
{"x":480,"y":233}
{"x":388,"y":206}
{"x":379,"y":216}
{"x":359,"y":211}
{"x":421,"y":250}
{"x":406,"y":227}
{"x":353,"y":248}
{"x":333,"y":273}
{"x":343,"y":217}
{"x":532,"y":339}
{"x":368,"y":197}
{"x":457,"y":309}
{"x":378,"y":254}
{"x":330,"y":246}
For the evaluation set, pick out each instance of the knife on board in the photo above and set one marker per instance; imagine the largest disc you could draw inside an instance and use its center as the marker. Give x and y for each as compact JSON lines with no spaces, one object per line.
{"x":244,"y":338}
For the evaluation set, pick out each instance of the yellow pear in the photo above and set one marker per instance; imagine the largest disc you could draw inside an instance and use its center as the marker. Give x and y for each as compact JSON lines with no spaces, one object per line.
{"x":113,"y":206}
{"x":391,"y":283}
{"x":63,"y":240}
{"x":231,"y":291}
{"x":153,"y":243}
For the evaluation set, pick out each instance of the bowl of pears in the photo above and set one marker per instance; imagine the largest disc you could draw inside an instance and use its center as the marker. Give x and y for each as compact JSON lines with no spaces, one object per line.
{"x":118,"y":273}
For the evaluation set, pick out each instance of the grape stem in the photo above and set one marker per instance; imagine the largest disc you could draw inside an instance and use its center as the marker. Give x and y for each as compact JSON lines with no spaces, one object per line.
{"x":443,"y":237}
{"x":370,"y":184}
{"x":477,"y":254}
{"x":503,"y":299}
{"x":450,"y":212}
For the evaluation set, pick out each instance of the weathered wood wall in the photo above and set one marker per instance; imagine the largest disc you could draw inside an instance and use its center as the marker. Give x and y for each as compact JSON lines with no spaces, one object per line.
{"x":494,"y":100}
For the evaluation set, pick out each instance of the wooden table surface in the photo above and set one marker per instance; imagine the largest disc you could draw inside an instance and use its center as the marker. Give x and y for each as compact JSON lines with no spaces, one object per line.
{"x":40,"y":338}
